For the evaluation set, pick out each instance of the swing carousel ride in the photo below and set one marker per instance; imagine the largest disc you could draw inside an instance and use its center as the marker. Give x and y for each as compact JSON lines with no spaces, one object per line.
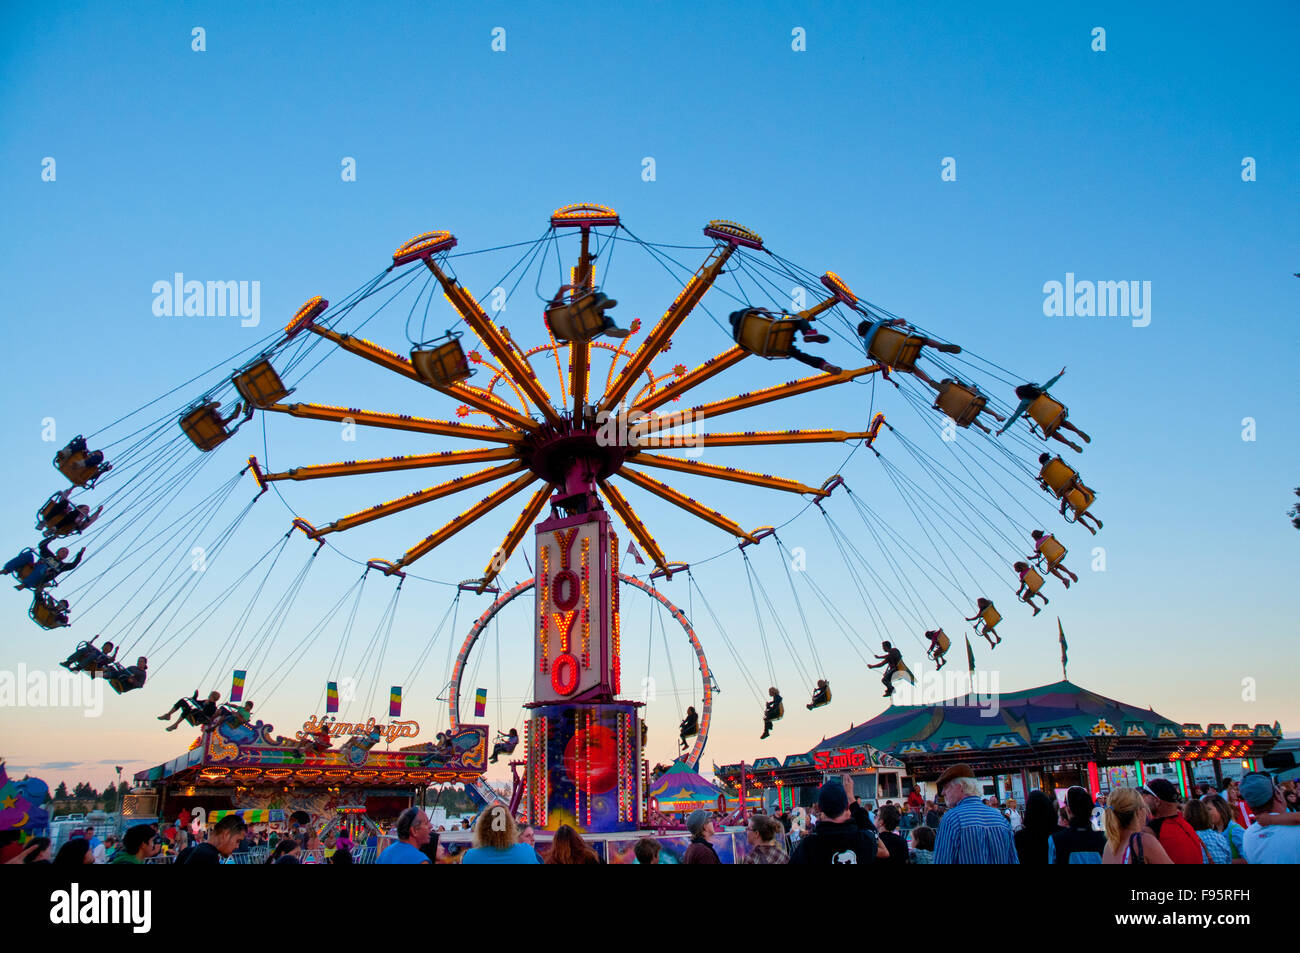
{"x":572,"y":422}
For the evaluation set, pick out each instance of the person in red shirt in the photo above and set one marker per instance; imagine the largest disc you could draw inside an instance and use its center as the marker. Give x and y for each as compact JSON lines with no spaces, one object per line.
{"x":1167,"y":823}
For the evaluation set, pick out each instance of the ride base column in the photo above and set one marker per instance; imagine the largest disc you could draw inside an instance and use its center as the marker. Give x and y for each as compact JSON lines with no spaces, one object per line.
{"x":584,"y":745}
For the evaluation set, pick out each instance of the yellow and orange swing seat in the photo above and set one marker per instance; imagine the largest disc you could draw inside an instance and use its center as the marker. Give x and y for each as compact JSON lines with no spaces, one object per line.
{"x":963,"y":404}
{"x":1078,"y":498}
{"x":765,"y":335}
{"x":259,"y":384}
{"x":1032,"y":582}
{"x":895,"y":349}
{"x":73,"y":466}
{"x":1051,"y":552}
{"x":43,"y":614}
{"x":204,"y":426}
{"x":442,"y":364}
{"x":1047,"y":413}
{"x":941,"y":647}
{"x":1059,"y":476}
{"x":990,"y":617}
{"x":579,"y":320}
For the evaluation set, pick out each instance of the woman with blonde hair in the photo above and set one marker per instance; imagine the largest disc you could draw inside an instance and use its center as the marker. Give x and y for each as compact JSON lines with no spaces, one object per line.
{"x":496,"y":840}
{"x":1127,"y":839}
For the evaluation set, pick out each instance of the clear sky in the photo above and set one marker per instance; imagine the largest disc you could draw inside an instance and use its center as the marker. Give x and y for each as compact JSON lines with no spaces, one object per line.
{"x":1117,"y":165}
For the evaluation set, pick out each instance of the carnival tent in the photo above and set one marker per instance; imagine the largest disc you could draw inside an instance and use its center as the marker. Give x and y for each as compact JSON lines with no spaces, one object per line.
{"x":681,"y":789}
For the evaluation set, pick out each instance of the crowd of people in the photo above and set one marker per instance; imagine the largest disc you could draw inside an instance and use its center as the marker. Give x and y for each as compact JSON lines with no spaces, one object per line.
{"x":1255,"y":820}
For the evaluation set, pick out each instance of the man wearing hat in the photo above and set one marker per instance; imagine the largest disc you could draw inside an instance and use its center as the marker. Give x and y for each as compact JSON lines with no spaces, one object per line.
{"x":837,"y":838}
{"x":700,"y":824}
{"x":1176,"y":836}
{"x":1270,"y":840}
{"x":971,"y":832}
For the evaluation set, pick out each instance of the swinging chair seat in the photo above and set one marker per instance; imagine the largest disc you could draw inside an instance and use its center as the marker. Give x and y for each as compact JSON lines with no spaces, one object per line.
{"x":1059,"y":476}
{"x":46,"y":616}
{"x":74,"y":467}
{"x":764,"y":335}
{"x":204,"y":425}
{"x":441,"y":363}
{"x":55,"y":508}
{"x":896,"y":349}
{"x":780,"y":712}
{"x":990,"y":617}
{"x":259,"y":384}
{"x":963,"y":404}
{"x":820,"y":701}
{"x":581,"y":319}
{"x":941,"y":647}
{"x":1051,"y":551}
{"x":122,"y":679}
{"x":1047,"y":413}
{"x":1078,"y":498}
{"x":1033,"y":582}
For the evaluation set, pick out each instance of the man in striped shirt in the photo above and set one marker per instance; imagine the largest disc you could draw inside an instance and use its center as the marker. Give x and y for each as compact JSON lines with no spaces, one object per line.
{"x":971,"y":832}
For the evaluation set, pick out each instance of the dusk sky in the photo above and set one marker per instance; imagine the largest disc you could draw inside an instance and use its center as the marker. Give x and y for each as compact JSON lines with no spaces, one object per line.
{"x":949,"y":163}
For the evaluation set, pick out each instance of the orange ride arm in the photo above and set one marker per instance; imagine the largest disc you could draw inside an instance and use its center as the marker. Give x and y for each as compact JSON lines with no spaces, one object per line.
{"x":478,"y":399}
{"x":714,"y":365}
{"x":514,"y":537}
{"x":752,"y":399}
{"x":666,"y":492}
{"x":380,"y":510}
{"x":483,"y":506}
{"x":751,"y":438}
{"x":634,"y":525}
{"x":389,"y":464}
{"x":672,"y":319}
{"x":370,"y":418}
{"x":723,"y":473}
{"x":496,"y":342}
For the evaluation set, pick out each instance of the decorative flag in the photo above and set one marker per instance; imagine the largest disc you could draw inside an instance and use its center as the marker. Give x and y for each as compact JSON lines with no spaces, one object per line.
{"x":237,"y":686}
{"x":331,"y":698}
{"x":480,"y":702}
{"x":970,"y":656}
{"x":632,"y":551}
{"x":1064,"y":646}
{"x":395,"y":702}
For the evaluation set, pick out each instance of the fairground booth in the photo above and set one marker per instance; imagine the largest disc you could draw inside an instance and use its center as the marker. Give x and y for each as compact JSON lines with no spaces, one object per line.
{"x":1048,"y":738}
{"x":246,"y":768}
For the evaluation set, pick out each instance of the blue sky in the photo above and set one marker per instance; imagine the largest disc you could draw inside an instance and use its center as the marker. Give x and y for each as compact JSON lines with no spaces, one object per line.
{"x":1116,"y":165}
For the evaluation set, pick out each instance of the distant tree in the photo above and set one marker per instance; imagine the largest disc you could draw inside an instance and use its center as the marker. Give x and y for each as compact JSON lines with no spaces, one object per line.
{"x":61,"y":792}
{"x":1294,"y":512}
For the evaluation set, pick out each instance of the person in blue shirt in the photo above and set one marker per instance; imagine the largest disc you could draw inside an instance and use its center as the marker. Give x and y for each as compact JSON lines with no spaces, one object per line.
{"x":413,"y":830}
{"x":496,"y":840}
{"x":971,"y":832}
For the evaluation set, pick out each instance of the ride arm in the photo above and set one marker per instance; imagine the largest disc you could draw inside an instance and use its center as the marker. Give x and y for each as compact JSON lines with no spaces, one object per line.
{"x":390,"y":464}
{"x":723,"y":473}
{"x":634,"y":525}
{"x":494,"y":340}
{"x":666,"y":492}
{"x":476,"y":398}
{"x":454,"y":526}
{"x":754,"y":398}
{"x":369,"y":418}
{"x":514,"y":537}
{"x":710,"y":368}
{"x":672,"y":319}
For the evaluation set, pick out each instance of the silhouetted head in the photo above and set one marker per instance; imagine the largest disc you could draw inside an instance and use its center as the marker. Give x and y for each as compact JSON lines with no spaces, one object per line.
{"x":886,"y":646}
{"x":1044,"y":457}
{"x":62,"y":552}
{"x":1020,"y":567}
{"x":1037,"y":534}
{"x":1027,"y":391}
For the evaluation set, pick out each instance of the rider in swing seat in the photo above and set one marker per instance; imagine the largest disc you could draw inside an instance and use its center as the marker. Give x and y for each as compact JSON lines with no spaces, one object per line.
{"x":1030,"y":583}
{"x":690,"y":725}
{"x":45,"y":565}
{"x":1062,"y":481}
{"x":821,"y":695}
{"x":892,"y":662}
{"x":1051,"y":552}
{"x":774,"y":710}
{"x":938,"y":650}
{"x":88,"y":657}
{"x":1028,"y":394}
{"x":803,"y":325}
{"x":598,"y":301}
{"x":983,"y":625}
{"x":505,"y":744}
{"x":962,"y":403}
{"x":193,"y":711}
{"x":127,"y":678}
{"x":869,"y":330}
